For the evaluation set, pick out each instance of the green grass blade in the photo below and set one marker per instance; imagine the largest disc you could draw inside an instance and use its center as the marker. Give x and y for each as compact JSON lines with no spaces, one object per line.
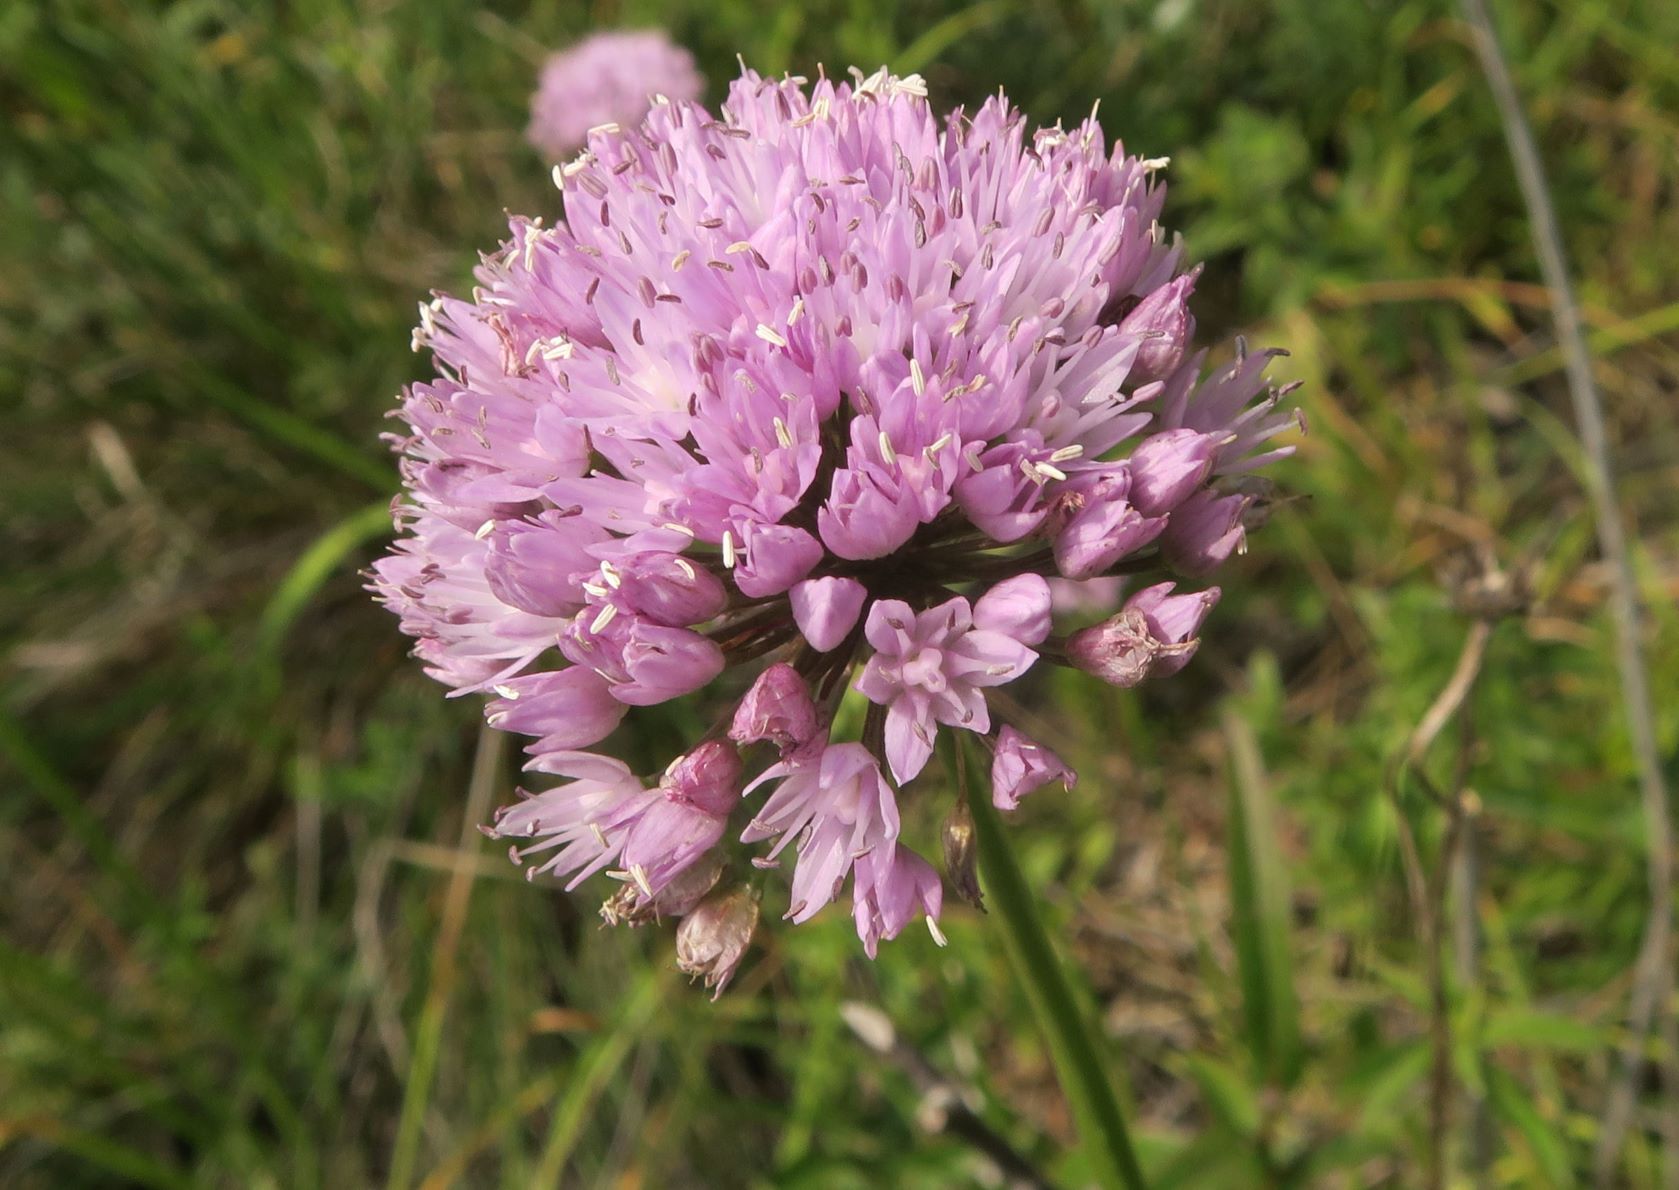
{"x":1078,"y":1051}
{"x":1259,"y":898}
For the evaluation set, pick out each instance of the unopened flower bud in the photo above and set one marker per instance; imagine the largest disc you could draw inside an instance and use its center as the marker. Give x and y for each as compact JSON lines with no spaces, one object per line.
{"x":713,"y":938}
{"x":1163,"y":321}
{"x":1153,"y":636}
{"x":1204,"y":531}
{"x":826,"y":609}
{"x":708,"y":778}
{"x":961,"y":854}
{"x":1107,"y":528}
{"x":1167,"y":467}
{"x":668,"y":589}
{"x":777,"y":708}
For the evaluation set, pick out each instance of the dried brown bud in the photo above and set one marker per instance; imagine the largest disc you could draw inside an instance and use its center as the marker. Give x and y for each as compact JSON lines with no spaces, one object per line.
{"x":712,"y":939}
{"x":961,"y":854}
{"x":628,"y":906}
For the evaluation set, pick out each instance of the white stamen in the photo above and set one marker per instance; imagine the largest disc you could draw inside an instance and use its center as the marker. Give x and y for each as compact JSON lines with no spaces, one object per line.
{"x":600,"y":835}
{"x":1154,"y":164}
{"x":1067,"y":452}
{"x":484,"y":530}
{"x":944,"y":441}
{"x":687,"y":570}
{"x":728,"y":549}
{"x":676,"y":528}
{"x":797,"y":312}
{"x":736,"y":248}
{"x":938,"y":935}
{"x":770,"y":335}
{"x":507,"y":692}
{"x":781,"y":434}
{"x":607,"y":129}
{"x":559,"y":179}
{"x":606,"y":616}
{"x":1049,"y":472}
{"x":680,"y":259}
{"x":917,"y":380}
{"x":609,"y":572}
{"x":887,"y":454}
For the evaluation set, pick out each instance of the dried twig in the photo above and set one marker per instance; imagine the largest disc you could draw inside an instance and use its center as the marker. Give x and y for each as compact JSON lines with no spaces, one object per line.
{"x":486,"y":766}
{"x":1653,"y":981}
{"x":944,"y":1107}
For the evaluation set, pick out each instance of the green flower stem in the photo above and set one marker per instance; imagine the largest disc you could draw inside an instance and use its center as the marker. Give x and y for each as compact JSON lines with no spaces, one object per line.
{"x":1075,"y":1048}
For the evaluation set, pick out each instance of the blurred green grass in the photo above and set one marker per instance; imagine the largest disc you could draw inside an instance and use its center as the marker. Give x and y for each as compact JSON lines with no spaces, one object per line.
{"x":233,"y":809}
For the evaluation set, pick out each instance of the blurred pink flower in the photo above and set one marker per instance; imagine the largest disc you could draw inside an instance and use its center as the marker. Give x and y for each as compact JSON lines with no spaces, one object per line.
{"x":607,"y":78}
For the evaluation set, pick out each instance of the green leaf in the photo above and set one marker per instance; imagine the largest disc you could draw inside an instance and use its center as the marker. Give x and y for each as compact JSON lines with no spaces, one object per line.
{"x":1532,"y":1029}
{"x":1227,"y":1094}
{"x":1510,"y":1103}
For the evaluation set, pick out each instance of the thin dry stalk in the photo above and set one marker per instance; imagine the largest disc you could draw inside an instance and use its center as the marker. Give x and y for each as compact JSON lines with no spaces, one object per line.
{"x":945,"y":1107}
{"x":1653,"y":980}
{"x":1428,"y":891}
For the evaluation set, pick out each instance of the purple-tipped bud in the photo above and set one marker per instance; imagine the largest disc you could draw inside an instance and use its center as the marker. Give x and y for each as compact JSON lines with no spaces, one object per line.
{"x":667,"y":589}
{"x":1105,"y":529}
{"x":1018,"y":607}
{"x":826,"y":610}
{"x":644,"y":663}
{"x":565,"y":709}
{"x":961,"y":854}
{"x":1166,"y":468}
{"x":862,"y":520}
{"x":680,"y":821}
{"x":777,"y":708}
{"x":1152,"y":637}
{"x":1163,"y":321}
{"x":713,"y":938}
{"x":708,"y":778}
{"x":773,"y":558}
{"x":1022,"y":766}
{"x":1204,"y":531}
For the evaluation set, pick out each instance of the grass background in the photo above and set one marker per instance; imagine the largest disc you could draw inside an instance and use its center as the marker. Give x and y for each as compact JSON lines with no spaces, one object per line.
{"x":249,"y":937}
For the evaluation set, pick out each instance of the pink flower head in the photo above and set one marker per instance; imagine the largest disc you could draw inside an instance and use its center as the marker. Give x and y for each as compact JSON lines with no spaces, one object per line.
{"x":811,"y":391}
{"x":609,"y":78}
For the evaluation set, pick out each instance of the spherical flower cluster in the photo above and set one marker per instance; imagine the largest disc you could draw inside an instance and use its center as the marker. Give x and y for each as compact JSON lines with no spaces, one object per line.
{"x":811,"y":395}
{"x":608,"y":78}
